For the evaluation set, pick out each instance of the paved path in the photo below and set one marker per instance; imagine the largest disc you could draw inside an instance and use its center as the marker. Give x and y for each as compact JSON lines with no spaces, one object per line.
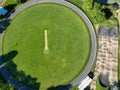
{"x":88,"y":23}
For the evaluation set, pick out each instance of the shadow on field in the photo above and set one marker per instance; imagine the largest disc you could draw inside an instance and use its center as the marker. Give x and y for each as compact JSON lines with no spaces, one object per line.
{"x":60,"y":87}
{"x":10,"y":7}
{"x":19,"y":75}
{"x":3,"y":25}
{"x":23,"y":1}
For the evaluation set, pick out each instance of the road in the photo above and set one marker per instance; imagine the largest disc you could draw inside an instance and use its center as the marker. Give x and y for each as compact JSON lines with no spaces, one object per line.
{"x":86,"y":20}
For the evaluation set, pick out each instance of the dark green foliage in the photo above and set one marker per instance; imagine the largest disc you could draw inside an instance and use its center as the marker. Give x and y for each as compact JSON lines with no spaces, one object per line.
{"x":108,"y":13}
{"x":10,"y":7}
{"x":21,"y":1}
{"x":4,"y":85}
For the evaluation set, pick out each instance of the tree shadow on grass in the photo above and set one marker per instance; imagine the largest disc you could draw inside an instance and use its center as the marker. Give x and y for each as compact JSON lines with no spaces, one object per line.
{"x":108,"y":12}
{"x":23,"y":1}
{"x":19,"y":75}
{"x":10,"y":7}
{"x":60,"y":87}
{"x":93,"y":3}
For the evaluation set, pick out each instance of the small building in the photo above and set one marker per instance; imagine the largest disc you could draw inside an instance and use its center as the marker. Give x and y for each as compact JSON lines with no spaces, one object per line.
{"x":104,"y":80}
{"x":86,"y":81}
{"x":108,"y":32}
{"x":3,"y":11}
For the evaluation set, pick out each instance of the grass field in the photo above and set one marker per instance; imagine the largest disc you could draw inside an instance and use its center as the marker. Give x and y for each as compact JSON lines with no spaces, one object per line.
{"x":68,"y":42}
{"x":119,"y":64}
{"x":9,"y":2}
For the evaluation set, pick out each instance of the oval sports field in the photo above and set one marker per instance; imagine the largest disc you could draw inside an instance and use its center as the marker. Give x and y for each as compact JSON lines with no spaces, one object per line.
{"x":68,"y":42}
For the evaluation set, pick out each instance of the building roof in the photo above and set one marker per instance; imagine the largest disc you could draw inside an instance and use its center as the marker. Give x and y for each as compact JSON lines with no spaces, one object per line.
{"x":3,"y":11}
{"x":110,"y":32}
{"x":104,"y":80}
{"x":103,"y":31}
{"x":85,"y":83}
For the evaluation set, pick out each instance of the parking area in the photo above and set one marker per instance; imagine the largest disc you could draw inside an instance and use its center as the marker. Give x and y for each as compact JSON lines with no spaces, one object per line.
{"x":107,"y":57}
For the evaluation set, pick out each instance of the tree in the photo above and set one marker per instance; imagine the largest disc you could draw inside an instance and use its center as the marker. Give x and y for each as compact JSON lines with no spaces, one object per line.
{"x":4,"y":85}
{"x":18,"y":1}
{"x":21,"y":1}
{"x":87,"y":6}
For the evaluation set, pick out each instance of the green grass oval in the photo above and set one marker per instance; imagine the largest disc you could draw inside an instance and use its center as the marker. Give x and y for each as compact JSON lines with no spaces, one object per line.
{"x":68,"y":41}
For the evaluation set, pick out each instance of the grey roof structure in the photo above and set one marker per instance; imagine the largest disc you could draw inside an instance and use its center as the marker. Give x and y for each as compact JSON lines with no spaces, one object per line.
{"x":110,"y":32}
{"x":103,"y":31}
{"x":104,"y":80}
